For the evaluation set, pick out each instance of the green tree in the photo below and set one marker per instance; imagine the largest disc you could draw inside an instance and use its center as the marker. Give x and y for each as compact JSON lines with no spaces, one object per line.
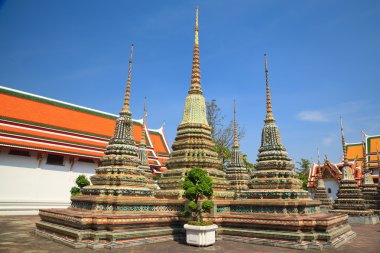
{"x":303,"y":171}
{"x":223,"y":135}
{"x":81,"y":182}
{"x":198,"y":186}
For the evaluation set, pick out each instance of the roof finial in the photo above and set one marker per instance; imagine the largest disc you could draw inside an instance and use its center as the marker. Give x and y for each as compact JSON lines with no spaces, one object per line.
{"x":318,"y":157}
{"x":143,"y":128}
{"x":345,"y":160}
{"x":319,"y":166}
{"x":364,"y":164}
{"x":195,"y":85}
{"x":269,"y":117}
{"x":236,"y":141}
{"x":126,"y":107}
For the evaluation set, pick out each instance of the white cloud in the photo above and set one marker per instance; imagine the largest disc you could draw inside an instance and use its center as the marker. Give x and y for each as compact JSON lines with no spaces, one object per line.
{"x":313,"y":116}
{"x":328,"y":139}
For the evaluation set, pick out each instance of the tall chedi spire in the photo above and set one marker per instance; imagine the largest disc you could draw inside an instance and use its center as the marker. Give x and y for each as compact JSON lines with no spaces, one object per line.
{"x":236,"y":171}
{"x":143,"y":153}
{"x":349,"y":198}
{"x":369,"y":189}
{"x":273,"y":167}
{"x":193,"y":146}
{"x":118,"y":177}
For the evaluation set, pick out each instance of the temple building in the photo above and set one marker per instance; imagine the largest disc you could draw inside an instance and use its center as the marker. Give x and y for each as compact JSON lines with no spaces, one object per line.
{"x":332,"y":172}
{"x":350,"y":199}
{"x":46,"y":144}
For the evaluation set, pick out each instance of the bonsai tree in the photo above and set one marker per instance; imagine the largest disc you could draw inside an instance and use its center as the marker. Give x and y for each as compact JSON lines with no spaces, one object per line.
{"x":81,"y":182}
{"x":198,"y":186}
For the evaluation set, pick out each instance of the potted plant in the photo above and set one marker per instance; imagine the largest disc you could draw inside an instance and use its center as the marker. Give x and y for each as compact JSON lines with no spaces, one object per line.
{"x":198,"y":192}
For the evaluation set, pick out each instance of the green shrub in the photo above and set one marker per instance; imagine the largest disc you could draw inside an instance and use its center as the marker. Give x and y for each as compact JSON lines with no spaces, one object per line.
{"x":185,"y":214}
{"x":75,"y":191}
{"x":200,"y":223}
{"x":82,"y":181}
{"x":198,"y":186}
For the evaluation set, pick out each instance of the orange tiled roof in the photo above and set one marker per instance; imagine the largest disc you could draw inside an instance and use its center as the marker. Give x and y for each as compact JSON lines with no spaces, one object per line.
{"x":32,"y":122}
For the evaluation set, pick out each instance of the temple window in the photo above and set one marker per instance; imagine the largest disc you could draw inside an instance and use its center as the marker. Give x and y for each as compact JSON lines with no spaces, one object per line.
{"x":19,"y":152}
{"x":54,"y":159}
{"x":329,"y":190}
{"x":85,"y":160}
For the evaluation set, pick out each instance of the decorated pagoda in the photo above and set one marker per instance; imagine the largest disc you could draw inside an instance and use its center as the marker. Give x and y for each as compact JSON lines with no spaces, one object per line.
{"x":117,"y":210}
{"x":349,"y":198}
{"x":369,"y":189}
{"x":321,"y":192}
{"x":377,"y":210}
{"x":275,"y":210}
{"x":236,"y":171}
{"x":193,"y":146}
{"x":143,"y":154}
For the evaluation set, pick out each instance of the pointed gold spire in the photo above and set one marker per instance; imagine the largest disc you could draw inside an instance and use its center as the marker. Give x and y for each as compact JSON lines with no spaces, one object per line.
{"x":345,"y":160}
{"x":364,"y":163}
{"x":269,"y":117}
{"x":195,"y":86}
{"x":143,"y":128}
{"x":126,"y":105}
{"x":196,"y":39}
{"x":236,"y":140}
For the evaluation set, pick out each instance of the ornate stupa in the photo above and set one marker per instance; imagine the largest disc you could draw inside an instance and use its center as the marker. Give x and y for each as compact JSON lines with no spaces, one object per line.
{"x":349,"y":198}
{"x":321,"y":192}
{"x":193,"y":146}
{"x":275,"y":210}
{"x":119,"y":207}
{"x":377,"y":210}
{"x":143,"y":154}
{"x":369,"y":189}
{"x":119,"y":173}
{"x":236,"y":170}
{"x":274,"y":170}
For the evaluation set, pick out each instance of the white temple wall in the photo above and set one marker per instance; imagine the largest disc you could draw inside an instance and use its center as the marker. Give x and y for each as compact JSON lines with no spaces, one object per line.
{"x":332,"y":187}
{"x":26,"y":187}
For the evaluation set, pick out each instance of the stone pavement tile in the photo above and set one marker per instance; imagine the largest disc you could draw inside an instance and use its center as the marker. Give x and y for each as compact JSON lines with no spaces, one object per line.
{"x":16,"y":236}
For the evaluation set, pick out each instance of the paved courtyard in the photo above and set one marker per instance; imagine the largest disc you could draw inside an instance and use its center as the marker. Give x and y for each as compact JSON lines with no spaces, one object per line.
{"x":16,"y":236}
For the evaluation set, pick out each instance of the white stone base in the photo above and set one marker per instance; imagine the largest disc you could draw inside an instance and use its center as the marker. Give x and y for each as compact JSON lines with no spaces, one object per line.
{"x":200,"y":235}
{"x":28,"y":208}
{"x":367,"y":220}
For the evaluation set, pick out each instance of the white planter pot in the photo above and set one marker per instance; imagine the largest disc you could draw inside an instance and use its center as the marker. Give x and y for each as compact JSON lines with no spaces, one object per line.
{"x":200,"y":235}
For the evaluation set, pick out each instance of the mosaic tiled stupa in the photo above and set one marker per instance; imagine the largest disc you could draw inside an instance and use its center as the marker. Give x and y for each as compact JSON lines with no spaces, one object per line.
{"x":377,"y":210}
{"x":193,"y":146}
{"x":119,"y":208}
{"x":321,"y":191}
{"x":236,"y":171}
{"x":144,"y":164}
{"x":369,"y":189}
{"x":349,"y":198}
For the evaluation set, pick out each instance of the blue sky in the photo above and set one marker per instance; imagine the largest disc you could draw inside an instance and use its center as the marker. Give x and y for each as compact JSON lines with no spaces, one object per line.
{"x":324,"y":61}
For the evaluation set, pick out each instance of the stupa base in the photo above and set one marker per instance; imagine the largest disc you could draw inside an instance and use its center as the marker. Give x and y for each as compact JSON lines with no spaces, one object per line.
{"x":365,"y":220}
{"x":79,"y":229}
{"x":300,"y":245}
